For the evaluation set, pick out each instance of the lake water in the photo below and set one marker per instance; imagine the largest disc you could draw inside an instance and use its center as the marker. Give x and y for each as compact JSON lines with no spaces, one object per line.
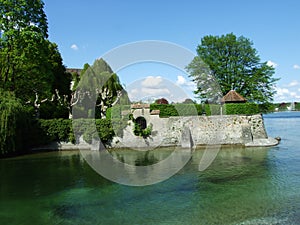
{"x":242,"y":186}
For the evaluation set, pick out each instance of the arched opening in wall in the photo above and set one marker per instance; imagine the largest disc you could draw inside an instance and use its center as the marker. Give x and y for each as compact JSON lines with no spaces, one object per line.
{"x":141,"y":121}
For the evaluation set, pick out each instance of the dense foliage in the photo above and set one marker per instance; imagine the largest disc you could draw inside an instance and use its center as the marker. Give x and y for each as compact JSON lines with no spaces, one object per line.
{"x":61,"y":130}
{"x":138,"y":131}
{"x":177,"y":109}
{"x":207,"y":109}
{"x":30,"y":65}
{"x":85,"y":127}
{"x":13,"y":124}
{"x":246,"y":108}
{"x":234,"y":64}
{"x":101,"y":86}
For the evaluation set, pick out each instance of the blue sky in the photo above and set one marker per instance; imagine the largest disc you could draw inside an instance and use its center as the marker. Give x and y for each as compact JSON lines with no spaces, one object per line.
{"x":86,"y":30}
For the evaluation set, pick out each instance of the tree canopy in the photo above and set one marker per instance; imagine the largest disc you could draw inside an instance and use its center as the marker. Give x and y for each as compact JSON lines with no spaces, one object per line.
{"x":232,"y":63}
{"x":30,"y":65}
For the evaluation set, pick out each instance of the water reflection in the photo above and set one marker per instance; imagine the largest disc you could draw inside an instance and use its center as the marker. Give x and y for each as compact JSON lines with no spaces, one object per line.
{"x":234,"y":159}
{"x":241,"y":186}
{"x":137,"y":168}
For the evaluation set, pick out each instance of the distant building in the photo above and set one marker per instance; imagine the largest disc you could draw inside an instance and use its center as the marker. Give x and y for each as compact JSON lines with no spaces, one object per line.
{"x":74,"y":70}
{"x":162,"y":101}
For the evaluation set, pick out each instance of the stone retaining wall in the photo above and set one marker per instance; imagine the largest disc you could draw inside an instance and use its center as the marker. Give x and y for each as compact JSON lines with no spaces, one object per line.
{"x":225,"y":130}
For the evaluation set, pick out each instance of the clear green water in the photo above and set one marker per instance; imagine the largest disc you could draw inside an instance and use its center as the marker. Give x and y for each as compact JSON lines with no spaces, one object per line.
{"x":242,"y":186}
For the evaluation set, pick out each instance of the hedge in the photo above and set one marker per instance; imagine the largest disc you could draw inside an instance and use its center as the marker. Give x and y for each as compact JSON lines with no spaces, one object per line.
{"x":211,"y":109}
{"x":115,"y":111}
{"x":167,"y":110}
{"x":208,"y":109}
{"x":61,"y":130}
{"x":242,"y":108}
{"x":177,"y":109}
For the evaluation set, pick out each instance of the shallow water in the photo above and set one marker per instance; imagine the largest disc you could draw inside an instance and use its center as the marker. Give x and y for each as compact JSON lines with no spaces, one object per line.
{"x":241,"y":186}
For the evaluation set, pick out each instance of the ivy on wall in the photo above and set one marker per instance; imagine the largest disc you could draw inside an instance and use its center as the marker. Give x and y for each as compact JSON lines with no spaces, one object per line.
{"x":138,"y":130}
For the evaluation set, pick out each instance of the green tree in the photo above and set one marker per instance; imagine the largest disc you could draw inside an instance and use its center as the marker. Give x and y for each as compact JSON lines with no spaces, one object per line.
{"x":12,"y":124}
{"x":233,"y":63}
{"x":62,"y":79}
{"x":23,"y":47}
{"x":30,"y":65}
{"x":76,"y":77}
{"x":101,"y":83}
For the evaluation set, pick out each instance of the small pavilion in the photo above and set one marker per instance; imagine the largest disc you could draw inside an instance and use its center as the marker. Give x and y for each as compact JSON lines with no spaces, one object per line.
{"x":233,"y":97}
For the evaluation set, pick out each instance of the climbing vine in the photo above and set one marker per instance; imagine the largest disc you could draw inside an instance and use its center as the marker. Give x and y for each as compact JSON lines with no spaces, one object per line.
{"x":138,"y":131}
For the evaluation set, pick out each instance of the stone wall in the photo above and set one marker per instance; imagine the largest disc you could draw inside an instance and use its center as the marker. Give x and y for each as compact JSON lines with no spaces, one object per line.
{"x":201,"y":130}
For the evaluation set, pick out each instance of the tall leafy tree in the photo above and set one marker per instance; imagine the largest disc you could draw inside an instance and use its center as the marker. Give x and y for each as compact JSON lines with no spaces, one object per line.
{"x":233,"y":63}
{"x":30,"y":65}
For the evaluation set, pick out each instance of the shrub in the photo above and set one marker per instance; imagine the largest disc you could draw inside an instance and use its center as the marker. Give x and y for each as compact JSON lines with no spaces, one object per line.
{"x":177,"y":109}
{"x":165,"y":110}
{"x":105,"y":130}
{"x":115,"y":112}
{"x":56,"y":129}
{"x":242,"y":108}
{"x":297,"y":106}
{"x":86,"y":127}
{"x":188,"y":109}
{"x":213,"y":109}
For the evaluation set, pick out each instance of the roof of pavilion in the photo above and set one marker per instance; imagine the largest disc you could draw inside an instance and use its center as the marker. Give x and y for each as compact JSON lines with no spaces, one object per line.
{"x":232,"y":96}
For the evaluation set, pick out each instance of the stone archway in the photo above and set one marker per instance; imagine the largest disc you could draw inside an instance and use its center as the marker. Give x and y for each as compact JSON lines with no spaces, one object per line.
{"x":141,"y":121}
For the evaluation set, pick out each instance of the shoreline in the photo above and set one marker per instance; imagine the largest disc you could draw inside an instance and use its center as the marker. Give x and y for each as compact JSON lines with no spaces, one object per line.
{"x":262,"y":143}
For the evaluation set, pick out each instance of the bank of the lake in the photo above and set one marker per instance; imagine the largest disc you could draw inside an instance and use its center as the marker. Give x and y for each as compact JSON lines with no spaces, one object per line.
{"x":184,"y":131}
{"x":242,"y":186}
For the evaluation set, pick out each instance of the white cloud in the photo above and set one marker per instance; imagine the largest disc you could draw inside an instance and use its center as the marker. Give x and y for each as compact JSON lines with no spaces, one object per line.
{"x":155,"y":91}
{"x":287,"y":94}
{"x":154,"y":87}
{"x":272,"y":64}
{"x":134,"y":91}
{"x":293,"y":83}
{"x":150,"y":87}
{"x":181,"y":81}
{"x":282,"y":91}
{"x":74,"y":47}
{"x":152,"y":82}
{"x":296,"y":67}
